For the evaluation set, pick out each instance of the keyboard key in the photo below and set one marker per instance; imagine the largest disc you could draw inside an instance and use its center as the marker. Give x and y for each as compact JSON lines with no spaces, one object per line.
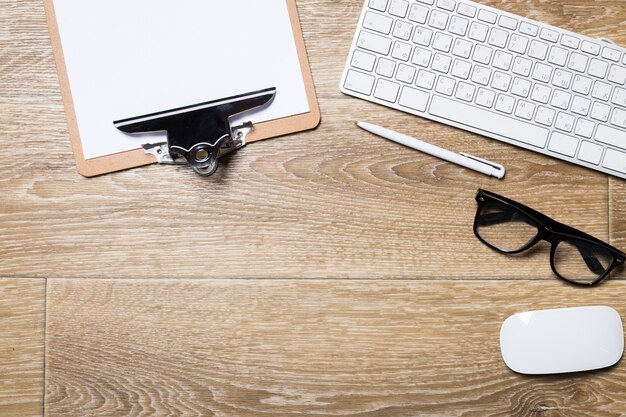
{"x":581,"y":84}
{"x":438,"y":19}
{"x":570,"y":41}
{"x":525,"y":110}
{"x":485,"y":98}
{"x":611,"y":54}
{"x":405,"y":73}
{"x":467,"y":10}
{"x":445,"y":85}
{"x":615,"y":161}
{"x":418,"y":13}
{"x":563,"y":144}
{"x":549,"y":35}
{"x":498,"y":37}
{"x":363,"y":60}
{"x":442,"y":42}
{"x":482,"y":54}
{"x":558,"y":56}
{"x":538,"y":50}
{"x":387,"y":90}
{"x":429,"y":2}
{"x":545,"y":116}
{"x":590,"y":152}
{"x":461,"y":69}
{"x":422,"y":57}
{"x":414,"y":99}
{"x":385,"y":67}
{"x":373,"y":42}
{"x":619,"y":97}
{"x":528,"y":29}
{"x":590,"y":48}
{"x":502,"y":60}
{"x":505,"y":103}
{"x":611,"y":136}
{"x":422,"y":36}
{"x":584,"y":128}
{"x":501,"y":81}
{"x":598,"y":68}
{"x":399,"y":8}
{"x":521,"y":87}
{"x":507,"y":22}
{"x":426,"y":79}
{"x":617,"y":74}
{"x":379,"y":5}
{"x":449,"y":5}
{"x":402,"y":51}
{"x":518,"y":43}
{"x":465,"y":92}
{"x":441,"y":63}
{"x":578,"y":62}
{"x":487,"y":121}
{"x":619,"y":118}
{"x":458,"y":26}
{"x":541,"y":93}
{"x":402,"y":30}
{"x":562,"y":78}
{"x":462,"y":48}
{"x":481,"y":75}
{"x":378,"y":22}
{"x":478,"y":32}
{"x":600,"y":112}
{"x":561,"y":99}
{"x":542,"y":72}
{"x":487,"y":16}
{"x":522,"y":66}
{"x":581,"y":106}
{"x":565,"y":122}
{"x":601,"y":91}
{"x":359,"y":82}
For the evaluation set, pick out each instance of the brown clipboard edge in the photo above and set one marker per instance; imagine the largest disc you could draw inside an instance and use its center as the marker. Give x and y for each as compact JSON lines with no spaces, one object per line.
{"x":137,"y":157}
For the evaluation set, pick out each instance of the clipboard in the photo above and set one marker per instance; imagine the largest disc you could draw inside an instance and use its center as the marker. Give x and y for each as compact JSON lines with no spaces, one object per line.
{"x":139,"y":157}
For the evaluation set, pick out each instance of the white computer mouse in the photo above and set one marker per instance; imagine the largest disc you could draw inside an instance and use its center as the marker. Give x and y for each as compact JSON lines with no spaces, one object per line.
{"x":562,"y":340}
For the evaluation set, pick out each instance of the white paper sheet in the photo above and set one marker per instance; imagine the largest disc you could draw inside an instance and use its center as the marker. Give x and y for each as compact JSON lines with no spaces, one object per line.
{"x":126,"y":58}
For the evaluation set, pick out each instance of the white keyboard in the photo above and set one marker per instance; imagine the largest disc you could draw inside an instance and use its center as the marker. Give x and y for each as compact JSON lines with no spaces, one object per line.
{"x":494,"y":73}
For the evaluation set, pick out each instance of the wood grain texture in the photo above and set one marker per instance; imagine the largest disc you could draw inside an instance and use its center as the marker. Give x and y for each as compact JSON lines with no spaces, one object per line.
{"x":618,"y":213}
{"x":334,"y":202}
{"x":301,"y":347}
{"x":22,"y":315}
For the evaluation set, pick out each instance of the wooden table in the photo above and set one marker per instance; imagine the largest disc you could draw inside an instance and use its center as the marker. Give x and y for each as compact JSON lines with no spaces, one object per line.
{"x":328,"y":273}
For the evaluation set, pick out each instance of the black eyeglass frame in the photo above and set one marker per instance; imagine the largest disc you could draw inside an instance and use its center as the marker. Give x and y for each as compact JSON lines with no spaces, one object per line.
{"x":549,"y":230}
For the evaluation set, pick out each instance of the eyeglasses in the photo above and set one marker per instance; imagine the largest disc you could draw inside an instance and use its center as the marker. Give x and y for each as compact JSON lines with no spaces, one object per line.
{"x":511,"y":228}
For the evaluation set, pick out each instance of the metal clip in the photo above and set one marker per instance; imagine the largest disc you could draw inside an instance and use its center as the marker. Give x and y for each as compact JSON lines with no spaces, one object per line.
{"x":201,"y":134}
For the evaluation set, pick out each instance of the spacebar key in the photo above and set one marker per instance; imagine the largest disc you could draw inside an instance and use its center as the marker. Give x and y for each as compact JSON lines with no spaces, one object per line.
{"x":489,"y":122}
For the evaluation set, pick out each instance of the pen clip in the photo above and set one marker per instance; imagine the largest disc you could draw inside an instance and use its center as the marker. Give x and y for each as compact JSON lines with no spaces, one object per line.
{"x":501,"y":170}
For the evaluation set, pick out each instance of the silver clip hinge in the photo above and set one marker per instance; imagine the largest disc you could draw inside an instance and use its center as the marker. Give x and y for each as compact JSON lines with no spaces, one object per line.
{"x":237,"y":140}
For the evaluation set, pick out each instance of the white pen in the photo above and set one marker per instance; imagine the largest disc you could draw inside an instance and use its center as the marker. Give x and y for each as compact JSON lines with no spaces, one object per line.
{"x":465,"y":160}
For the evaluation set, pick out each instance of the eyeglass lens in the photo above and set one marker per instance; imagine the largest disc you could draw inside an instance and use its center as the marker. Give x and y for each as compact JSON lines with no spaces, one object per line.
{"x":581,"y":261}
{"x":505,"y":227}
